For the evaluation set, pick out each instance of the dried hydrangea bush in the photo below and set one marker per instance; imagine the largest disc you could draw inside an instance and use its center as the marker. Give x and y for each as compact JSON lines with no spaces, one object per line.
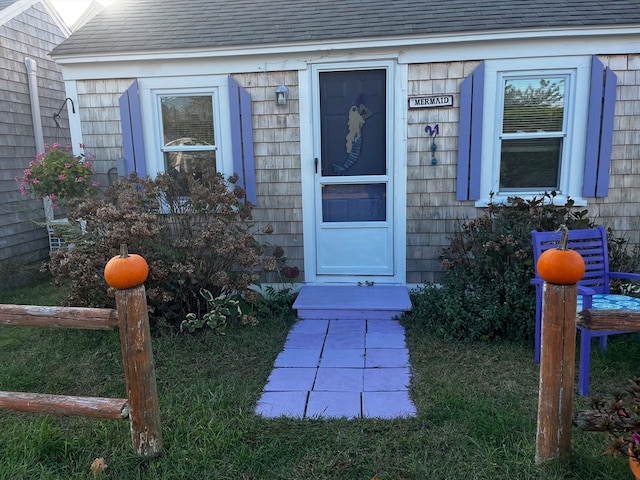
{"x":194,"y":230}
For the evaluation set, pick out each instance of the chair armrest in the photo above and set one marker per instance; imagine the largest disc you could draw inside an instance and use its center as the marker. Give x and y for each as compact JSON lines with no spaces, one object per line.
{"x":537,"y":281}
{"x":626,"y":276}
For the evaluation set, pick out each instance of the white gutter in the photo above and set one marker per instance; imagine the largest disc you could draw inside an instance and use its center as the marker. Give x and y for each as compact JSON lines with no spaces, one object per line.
{"x":32,"y":79}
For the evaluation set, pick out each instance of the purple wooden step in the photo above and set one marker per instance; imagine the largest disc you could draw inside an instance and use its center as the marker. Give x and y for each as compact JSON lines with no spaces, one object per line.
{"x":331,"y":302}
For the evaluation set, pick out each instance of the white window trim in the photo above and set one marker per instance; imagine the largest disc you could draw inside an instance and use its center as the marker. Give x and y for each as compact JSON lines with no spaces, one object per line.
{"x":150,"y":92}
{"x":572,"y":168}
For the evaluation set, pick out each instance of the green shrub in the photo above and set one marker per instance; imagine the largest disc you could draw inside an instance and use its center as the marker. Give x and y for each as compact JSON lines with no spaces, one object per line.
{"x":194,"y":231}
{"x":486,"y":292}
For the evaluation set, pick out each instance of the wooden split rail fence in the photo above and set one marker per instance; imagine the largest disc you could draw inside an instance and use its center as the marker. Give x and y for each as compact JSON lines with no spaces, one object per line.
{"x":140,"y":406}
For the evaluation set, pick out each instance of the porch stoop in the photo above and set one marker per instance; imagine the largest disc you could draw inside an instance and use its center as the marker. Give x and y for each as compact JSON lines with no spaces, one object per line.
{"x":350,"y":302}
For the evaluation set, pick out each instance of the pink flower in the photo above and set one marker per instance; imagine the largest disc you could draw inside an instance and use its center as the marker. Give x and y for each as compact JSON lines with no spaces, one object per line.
{"x":95,"y":184}
{"x":82,"y":146}
{"x":67,"y":165}
{"x":61,"y":176}
{"x":55,"y":145}
{"x":35,"y":181}
{"x":636,"y":438}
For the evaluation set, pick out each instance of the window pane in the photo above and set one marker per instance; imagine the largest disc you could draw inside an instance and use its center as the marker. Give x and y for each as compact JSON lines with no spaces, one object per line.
{"x":354,"y":203}
{"x":353,"y":122}
{"x":189,"y":162}
{"x":530,"y":164}
{"x":533,"y":105}
{"x":187,"y":120}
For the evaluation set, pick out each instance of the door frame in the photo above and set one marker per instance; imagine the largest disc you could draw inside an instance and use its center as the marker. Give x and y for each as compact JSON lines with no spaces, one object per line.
{"x":309,"y":147}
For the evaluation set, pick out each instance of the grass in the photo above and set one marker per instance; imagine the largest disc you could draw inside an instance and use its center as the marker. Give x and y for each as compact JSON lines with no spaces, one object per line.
{"x":476,"y":402}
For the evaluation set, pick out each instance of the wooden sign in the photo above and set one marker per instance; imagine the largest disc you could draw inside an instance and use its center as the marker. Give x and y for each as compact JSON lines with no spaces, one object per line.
{"x":431,"y":101}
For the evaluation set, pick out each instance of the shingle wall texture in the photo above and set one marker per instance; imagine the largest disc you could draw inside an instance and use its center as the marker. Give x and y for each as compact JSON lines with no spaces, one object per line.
{"x":31,"y":34}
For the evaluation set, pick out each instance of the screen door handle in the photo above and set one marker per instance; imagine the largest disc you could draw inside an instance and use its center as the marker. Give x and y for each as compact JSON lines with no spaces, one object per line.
{"x":315,"y":163}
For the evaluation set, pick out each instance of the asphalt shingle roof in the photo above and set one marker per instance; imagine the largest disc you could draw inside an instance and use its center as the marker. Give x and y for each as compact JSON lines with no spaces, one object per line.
{"x":148,"y":25}
{"x":6,"y":3}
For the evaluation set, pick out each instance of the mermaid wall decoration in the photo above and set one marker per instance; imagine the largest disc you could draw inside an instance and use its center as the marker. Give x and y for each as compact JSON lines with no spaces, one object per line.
{"x":358,"y":115}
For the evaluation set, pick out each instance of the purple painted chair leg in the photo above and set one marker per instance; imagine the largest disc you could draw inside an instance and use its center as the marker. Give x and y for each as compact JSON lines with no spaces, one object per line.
{"x":603,"y":343}
{"x":538,"y":332}
{"x":585,"y":362}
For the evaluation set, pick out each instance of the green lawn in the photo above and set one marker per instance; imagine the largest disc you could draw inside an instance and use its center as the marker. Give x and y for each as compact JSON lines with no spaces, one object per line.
{"x":476,"y":402}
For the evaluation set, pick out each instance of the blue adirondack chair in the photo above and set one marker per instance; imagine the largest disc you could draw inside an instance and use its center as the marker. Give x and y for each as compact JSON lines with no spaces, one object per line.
{"x":593,"y":289}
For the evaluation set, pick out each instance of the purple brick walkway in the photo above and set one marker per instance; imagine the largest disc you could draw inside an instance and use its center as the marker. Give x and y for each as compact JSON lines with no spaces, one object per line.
{"x":340,"y":368}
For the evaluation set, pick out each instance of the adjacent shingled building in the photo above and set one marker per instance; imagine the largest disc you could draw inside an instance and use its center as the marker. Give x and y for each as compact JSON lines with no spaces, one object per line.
{"x":29,"y":29}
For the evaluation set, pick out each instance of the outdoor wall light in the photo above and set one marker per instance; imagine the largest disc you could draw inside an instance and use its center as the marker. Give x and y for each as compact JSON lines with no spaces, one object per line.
{"x":282,"y":93}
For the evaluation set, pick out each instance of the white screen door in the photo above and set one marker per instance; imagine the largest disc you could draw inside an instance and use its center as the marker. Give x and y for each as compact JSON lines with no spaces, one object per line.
{"x":353,"y":188}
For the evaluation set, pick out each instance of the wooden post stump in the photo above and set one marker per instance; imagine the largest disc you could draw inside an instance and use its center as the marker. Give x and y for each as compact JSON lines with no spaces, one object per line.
{"x":557,"y":370}
{"x":137,"y":357}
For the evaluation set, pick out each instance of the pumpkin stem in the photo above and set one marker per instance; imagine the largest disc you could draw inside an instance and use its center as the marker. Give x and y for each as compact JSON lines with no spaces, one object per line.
{"x":124,"y":252}
{"x":564,"y":239}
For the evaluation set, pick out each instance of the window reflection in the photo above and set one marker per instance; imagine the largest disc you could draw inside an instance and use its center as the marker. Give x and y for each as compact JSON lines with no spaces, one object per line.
{"x":354,"y":202}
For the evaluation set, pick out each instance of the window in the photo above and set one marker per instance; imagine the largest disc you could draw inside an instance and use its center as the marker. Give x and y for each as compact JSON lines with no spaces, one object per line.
{"x":533,"y":130}
{"x":182,"y":127}
{"x":187,"y":127}
{"x":535,"y":125}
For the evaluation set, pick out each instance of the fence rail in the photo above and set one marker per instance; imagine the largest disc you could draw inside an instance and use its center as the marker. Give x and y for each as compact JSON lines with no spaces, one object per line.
{"x":140,"y":406}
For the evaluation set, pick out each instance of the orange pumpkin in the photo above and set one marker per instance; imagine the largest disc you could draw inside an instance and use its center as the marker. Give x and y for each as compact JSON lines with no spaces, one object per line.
{"x":560,"y":265}
{"x":126,"y":270}
{"x":634,"y":465}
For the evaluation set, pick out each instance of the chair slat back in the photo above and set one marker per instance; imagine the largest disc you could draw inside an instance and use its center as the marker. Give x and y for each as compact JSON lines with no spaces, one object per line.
{"x":591,"y":243}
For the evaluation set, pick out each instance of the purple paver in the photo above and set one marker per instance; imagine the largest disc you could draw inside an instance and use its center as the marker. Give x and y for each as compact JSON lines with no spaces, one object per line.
{"x":387,"y":405}
{"x":304,"y":340}
{"x":339,"y":380}
{"x":291,"y":379}
{"x":334,"y":405}
{"x":343,"y":357}
{"x":344,"y":340}
{"x":298,"y":357}
{"x":351,"y":326}
{"x":282,"y":404}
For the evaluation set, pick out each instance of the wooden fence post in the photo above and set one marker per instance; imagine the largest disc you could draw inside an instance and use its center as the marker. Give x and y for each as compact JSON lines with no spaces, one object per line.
{"x":139,"y":372}
{"x":557,"y":370}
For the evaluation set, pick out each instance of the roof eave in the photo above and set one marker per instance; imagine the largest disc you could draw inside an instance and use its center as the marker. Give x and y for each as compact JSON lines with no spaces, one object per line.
{"x":350,"y":44}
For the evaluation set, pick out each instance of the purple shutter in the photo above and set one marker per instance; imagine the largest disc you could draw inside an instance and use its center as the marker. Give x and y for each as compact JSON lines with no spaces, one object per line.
{"x":470,"y":136}
{"x":602,"y":100}
{"x":242,"y":139}
{"x":131,"y":118}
